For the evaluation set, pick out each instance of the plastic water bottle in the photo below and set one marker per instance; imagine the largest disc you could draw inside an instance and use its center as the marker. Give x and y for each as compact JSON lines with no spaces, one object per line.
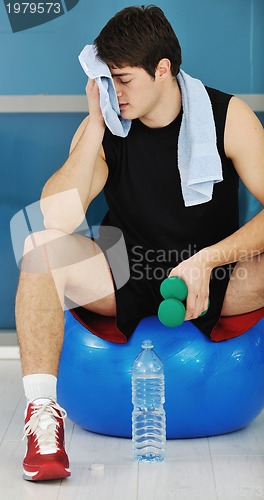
{"x":148,"y":417}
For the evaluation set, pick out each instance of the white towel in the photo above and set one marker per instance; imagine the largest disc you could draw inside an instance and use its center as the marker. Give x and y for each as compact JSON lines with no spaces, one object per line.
{"x":199,"y":162}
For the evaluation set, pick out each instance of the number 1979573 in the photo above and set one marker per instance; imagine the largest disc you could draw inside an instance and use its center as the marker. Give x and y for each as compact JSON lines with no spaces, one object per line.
{"x":34,"y":8}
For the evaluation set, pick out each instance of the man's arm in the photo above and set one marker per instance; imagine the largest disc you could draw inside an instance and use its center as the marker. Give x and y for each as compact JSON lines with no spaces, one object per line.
{"x":68,"y":193}
{"x":244,"y":145}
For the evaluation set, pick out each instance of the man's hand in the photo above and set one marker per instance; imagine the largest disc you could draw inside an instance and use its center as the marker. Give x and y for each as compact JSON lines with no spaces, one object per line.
{"x":93,"y":97}
{"x":196,"y":272}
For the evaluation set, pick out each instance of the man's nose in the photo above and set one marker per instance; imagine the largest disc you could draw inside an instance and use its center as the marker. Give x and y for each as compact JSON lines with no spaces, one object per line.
{"x":118,"y":89}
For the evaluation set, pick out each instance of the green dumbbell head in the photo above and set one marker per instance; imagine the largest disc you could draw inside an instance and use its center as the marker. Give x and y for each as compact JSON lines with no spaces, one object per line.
{"x":174,"y":287}
{"x":204,"y":312}
{"x":171,"y":312}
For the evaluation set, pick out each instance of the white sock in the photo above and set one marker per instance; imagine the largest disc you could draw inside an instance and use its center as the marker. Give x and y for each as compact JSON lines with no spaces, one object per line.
{"x":40,"y":386}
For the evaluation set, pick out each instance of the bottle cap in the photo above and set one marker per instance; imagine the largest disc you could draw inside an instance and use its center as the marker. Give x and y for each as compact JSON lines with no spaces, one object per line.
{"x":147,"y":344}
{"x":97,"y":467}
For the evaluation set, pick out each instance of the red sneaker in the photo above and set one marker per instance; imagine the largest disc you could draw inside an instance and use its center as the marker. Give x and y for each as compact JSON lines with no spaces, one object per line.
{"x":46,"y":457}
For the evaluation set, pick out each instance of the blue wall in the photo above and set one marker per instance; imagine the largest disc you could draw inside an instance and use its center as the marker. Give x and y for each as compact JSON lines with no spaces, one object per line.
{"x":222,"y":43}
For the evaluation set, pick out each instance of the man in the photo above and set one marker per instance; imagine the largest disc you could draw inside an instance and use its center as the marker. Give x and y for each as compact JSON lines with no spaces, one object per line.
{"x":141,"y":181}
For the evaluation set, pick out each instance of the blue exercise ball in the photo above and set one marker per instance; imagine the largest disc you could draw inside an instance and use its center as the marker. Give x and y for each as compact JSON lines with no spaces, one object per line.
{"x":210,"y":388}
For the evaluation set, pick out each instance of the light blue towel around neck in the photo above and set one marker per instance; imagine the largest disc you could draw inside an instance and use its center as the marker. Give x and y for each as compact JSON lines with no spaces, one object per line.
{"x":199,"y":162}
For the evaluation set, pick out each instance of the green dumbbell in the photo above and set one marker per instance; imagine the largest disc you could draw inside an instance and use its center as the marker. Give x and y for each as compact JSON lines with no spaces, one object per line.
{"x":171,"y":311}
{"x":174,"y":287}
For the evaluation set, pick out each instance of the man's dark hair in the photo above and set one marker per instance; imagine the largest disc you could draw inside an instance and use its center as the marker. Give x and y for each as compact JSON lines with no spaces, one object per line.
{"x":139,"y":37}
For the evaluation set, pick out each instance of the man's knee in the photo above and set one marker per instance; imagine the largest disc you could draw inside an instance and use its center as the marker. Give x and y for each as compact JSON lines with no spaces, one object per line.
{"x":245,"y":291}
{"x":38,"y":238}
{"x":41,"y":248}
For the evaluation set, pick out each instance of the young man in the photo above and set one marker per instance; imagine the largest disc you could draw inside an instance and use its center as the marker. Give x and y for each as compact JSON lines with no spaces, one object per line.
{"x":139,"y":174}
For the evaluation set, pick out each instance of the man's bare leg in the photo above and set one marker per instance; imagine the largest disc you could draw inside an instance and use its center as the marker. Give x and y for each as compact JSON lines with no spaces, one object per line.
{"x":77,"y":263}
{"x":245,"y":291}
{"x":53,"y":261}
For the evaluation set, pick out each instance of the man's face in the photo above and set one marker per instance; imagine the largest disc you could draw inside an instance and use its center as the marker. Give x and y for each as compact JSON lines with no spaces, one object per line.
{"x":137,"y":92}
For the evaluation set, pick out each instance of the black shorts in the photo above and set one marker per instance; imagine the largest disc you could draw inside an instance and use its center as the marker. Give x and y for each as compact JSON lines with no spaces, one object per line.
{"x":138,"y":295}
{"x":140,"y":298}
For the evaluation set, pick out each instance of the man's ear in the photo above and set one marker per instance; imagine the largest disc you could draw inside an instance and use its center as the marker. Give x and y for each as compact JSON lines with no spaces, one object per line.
{"x":163,"y":69}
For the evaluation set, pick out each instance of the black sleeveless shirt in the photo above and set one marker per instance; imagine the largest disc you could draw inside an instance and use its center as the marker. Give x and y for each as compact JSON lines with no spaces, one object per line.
{"x":145,"y":201}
